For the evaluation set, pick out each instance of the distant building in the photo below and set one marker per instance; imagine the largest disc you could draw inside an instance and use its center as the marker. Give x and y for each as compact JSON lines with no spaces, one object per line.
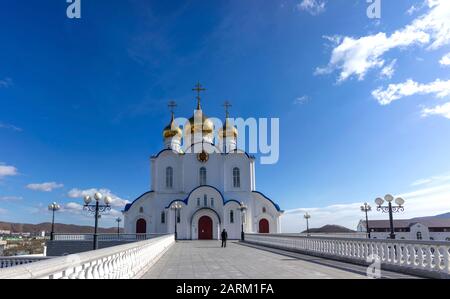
{"x":4,"y":232}
{"x":2,"y":246}
{"x":437,"y":229}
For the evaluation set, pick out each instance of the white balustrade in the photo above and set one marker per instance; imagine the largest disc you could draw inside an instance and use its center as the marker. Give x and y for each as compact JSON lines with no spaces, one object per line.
{"x":11,"y":261}
{"x":430,"y":258}
{"x":124,"y":261}
{"x":104,"y":237}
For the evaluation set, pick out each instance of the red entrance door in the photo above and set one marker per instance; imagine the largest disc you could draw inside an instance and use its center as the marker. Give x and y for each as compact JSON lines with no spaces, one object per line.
{"x":205,"y":228}
{"x":263,"y":226}
{"x":141,"y":226}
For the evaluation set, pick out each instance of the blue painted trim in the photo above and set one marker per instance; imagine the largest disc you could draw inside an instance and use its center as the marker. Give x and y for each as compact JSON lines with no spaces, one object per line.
{"x":164,"y":150}
{"x":128,"y":205}
{"x":186,"y":200}
{"x":237,"y":151}
{"x":175,"y":200}
{"x":232,"y":200}
{"x":275,"y":205}
{"x":215,"y":212}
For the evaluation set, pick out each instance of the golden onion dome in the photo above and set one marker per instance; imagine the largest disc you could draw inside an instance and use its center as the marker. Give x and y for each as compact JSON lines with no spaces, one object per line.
{"x":172,"y":130}
{"x":199,"y":122}
{"x":228,"y":130}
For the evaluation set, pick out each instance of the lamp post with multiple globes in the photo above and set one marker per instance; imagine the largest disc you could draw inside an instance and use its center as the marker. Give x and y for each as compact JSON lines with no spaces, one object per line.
{"x":118,"y":220}
{"x":307,"y":216}
{"x":176,"y":207}
{"x":390,"y":209}
{"x":366,"y":208}
{"x":242,"y":208}
{"x":96,"y":209}
{"x":53,"y":207}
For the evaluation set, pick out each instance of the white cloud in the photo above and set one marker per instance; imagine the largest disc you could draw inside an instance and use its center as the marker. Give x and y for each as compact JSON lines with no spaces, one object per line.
{"x":10,"y":127}
{"x":7,"y":170}
{"x":388,"y":71}
{"x":445,"y":61}
{"x":419,"y":203}
{"x":394,"y":92}
{"x":10,"y":198}
{"x":301,"y":100}
{"x":77,"y":209}
{"x":3,"y":211}
{"x":356,"y":56}
{"x":5,"y":83}
{"x":116,"y":200}
{"x":45,"y":187}
{"x":314,"y":7}
{"x":434,"y":180}
{"x":443,"y":110}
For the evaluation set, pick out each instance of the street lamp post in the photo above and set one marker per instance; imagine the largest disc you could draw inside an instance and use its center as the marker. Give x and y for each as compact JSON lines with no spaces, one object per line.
{"x":176,"y":207}
{"x":242,"y":208}
{"x":390,"y":209}
{"x":366,"y":208}
{"x":118,"y":220}
{"x":96,"y":209}
{"x":307,"y":216}
{"x":53,"y":207}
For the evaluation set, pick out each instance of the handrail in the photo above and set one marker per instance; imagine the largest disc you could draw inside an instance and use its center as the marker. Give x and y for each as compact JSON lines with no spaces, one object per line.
{"x":425,"y":258}
{"x":104,"y":237}
{"x":11,"y":261}
{"x":124,"y":261}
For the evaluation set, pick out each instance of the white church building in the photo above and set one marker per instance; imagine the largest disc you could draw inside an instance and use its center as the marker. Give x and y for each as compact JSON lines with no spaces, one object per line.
{"x":200,"y":187}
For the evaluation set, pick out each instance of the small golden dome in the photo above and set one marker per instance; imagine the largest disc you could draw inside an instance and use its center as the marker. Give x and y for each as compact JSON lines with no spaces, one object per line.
{"x":228,"y":130}
{"x":172,"y":130}
{"x":199,"y":122}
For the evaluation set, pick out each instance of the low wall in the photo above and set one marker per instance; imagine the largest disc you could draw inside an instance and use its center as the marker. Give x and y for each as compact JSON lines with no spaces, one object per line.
{"x":422,"y":258}
{"x":124,"y":261}
{"x":65,"y":244}
{"x":11,"y":261}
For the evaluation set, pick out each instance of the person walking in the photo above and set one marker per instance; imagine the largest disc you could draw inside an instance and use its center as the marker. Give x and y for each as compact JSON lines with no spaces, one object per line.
{"x":224,"y":237}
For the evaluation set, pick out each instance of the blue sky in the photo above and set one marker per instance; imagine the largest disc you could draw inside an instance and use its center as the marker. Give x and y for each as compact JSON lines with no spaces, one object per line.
{"x":362,"y":103}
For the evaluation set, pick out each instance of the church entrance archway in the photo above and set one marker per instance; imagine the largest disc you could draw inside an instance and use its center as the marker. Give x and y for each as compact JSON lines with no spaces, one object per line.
{"x":141,"y":226}
{"x":205,"y":228}
{"x":263,"y":226}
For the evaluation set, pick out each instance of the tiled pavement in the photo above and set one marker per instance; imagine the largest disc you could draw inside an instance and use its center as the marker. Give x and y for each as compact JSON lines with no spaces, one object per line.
{"x":207,"y":260}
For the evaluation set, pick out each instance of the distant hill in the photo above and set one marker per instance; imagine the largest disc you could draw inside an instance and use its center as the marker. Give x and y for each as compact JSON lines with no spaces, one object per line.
{"x":59,"y":228}
{"x":330,"y":228}
{"x":440,"y":216}
{"x":445,"y":215}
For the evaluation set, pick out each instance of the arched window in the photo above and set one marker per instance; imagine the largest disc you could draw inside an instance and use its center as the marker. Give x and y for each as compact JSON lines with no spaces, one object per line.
{"x":169,"y":177}
{"x":236,"y":178}
{"x":163,"y":217}
{"x":419,"y":236}
{"x":141,"y":210}
{"x":198,"y":202}
{"x":231,"y":216}
{"x":264,"y":209}
{"x":205,"y":200}
{"x":202,"y":175}
{"x":212,"y":202}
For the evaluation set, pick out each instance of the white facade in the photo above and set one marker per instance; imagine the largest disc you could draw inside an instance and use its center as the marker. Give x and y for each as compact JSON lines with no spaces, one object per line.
{"x":208,"y":184}
{"x":411,"y":229}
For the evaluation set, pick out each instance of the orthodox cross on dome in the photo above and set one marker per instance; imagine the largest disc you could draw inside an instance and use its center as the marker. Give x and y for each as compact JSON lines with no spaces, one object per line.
{"x":198,"y":88}
{"x":227,"y":106}
{"x":172,"y":105}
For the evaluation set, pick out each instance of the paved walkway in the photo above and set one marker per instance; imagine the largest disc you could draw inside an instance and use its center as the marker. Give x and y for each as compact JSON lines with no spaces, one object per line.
{"x":206,"y":260}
